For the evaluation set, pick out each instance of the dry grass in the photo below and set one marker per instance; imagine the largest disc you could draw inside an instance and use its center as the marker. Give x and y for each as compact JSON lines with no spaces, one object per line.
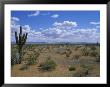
{"x":83,"y":64}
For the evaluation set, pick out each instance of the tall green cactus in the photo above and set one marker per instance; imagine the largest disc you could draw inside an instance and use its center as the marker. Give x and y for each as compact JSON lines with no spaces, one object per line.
{"x":20,"y":41}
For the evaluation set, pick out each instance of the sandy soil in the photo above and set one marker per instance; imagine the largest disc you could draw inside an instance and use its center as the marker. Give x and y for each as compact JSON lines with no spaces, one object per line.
{"x":63,"y":63}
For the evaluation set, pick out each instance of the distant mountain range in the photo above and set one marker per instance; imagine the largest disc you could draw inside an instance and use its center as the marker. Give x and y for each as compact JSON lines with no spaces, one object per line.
{"x":80,"y":43}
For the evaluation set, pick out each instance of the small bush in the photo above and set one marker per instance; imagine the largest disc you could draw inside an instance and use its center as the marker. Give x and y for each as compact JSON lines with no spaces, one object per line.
{"x":98,"y":59}
{"x":13,"y":55}
{"x":32,"y":60}
{"x":85,"y":52}
{"x":37,"y":54}
{"x":13,"y":60}
{"x":67,"y":55}
{"x":93,"y":48}
{"x":76,"y":48}
{"x":68,"y":52}
{"x":72,"y":68}
{"x":76,"y":56}
{"x":48,"y":65}
{"x":61,"y":51}
{"x":93,"y":53}
{"x":87,"y":66}
{"x":81,"y":73}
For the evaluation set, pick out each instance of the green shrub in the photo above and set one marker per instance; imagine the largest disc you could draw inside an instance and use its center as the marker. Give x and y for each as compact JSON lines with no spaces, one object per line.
{"x":76,"y":48}
{"x":94,"y":53}
{"x":68,"y":52}
{"x":93,"y":48}
{"x":85,"y":52}
{"x":13,"y":60}
{"x":13,"y":55}
{"x":82,"y":72}
{"x":87,"y":66}
{"x":61,"y":51}
{"x":37,"y":54}
{"x":48,"y":65}
{"x":32,"y":60}
{"x":72,"y":68}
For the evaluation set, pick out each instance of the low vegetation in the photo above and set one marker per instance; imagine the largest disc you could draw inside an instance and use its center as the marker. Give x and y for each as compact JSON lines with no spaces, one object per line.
{"x":56,"y":60}
{"x":48,"y":65}
{"x":72,"y":68}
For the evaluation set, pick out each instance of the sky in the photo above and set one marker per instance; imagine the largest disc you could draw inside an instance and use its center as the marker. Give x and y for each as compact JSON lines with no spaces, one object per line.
{"x":57,"y":26}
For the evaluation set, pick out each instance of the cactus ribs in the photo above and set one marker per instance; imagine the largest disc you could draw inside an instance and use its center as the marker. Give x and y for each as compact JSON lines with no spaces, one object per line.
{"x":20,"y":41}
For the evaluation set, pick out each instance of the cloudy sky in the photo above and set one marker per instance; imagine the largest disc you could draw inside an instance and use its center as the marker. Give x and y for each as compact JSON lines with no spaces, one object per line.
{"x":57,"y":26}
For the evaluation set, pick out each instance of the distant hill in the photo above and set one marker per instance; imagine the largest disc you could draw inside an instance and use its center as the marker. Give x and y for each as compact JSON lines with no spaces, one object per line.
{"x":77,"y":43}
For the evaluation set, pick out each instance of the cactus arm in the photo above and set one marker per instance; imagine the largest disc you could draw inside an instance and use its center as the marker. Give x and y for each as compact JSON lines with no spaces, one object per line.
{"x":20,"y":41}
{"x":26,"y":37}
{"x":20,"y":30}
{"x":16,"y":37}
{"x":19,"y":38}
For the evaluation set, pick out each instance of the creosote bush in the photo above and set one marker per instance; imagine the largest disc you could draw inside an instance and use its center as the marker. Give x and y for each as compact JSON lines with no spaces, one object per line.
{"x":94,"y":53}
{"x":13,"y":59}
{"x":93,"y":48}
{"x":48,"y":65}
{"x":76,"y":56}
{"x":13,"y":55}
{"x":72,"y":68}
{"x":68,"y":52}
{"x":82,"y":72}
{"x":86,"y":66}
{"x":32,"y":60}
{"x":85,"y":52}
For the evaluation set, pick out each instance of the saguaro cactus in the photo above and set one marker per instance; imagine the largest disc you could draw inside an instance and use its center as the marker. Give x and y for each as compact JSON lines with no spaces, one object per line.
{"x":20,"y":41}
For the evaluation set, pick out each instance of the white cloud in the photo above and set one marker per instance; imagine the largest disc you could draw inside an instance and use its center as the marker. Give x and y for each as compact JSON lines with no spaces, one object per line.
{"x":36,"y":13}
{"x":55,"y":16}
{"x":33,"y":35}
{"x":65,"y":24}
{"x":15,"y":18}
{"x":63,"y":31}
{"x":95,"y":23}
{"x":57,"y":34}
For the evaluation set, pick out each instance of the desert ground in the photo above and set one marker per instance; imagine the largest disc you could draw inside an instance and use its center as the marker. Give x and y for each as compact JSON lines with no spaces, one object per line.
{"x":56,"y":60}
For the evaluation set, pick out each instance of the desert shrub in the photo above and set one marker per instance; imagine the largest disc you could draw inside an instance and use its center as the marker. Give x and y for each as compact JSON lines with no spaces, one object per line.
{"x":76,"y":48}
{"x":13,"y":55}
{"x":85,"y":52}
{"x":61,"y":51}
{"x":82,"y":72}
{"x":72,"y":68}
{"x":32,"y":60}
{"x":67,"y":55}
{"x":13,"y":58}
{"x":93,"y":48}
{"x":98,"y":59}
{"x":76,"y":56}
{"x":24,"y":67}
{"x":68,"y":52}
{"x":87,"y":66}
{"x":93,"y":53}
{"x":48,"y":65}
{"x":37,"y":54}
